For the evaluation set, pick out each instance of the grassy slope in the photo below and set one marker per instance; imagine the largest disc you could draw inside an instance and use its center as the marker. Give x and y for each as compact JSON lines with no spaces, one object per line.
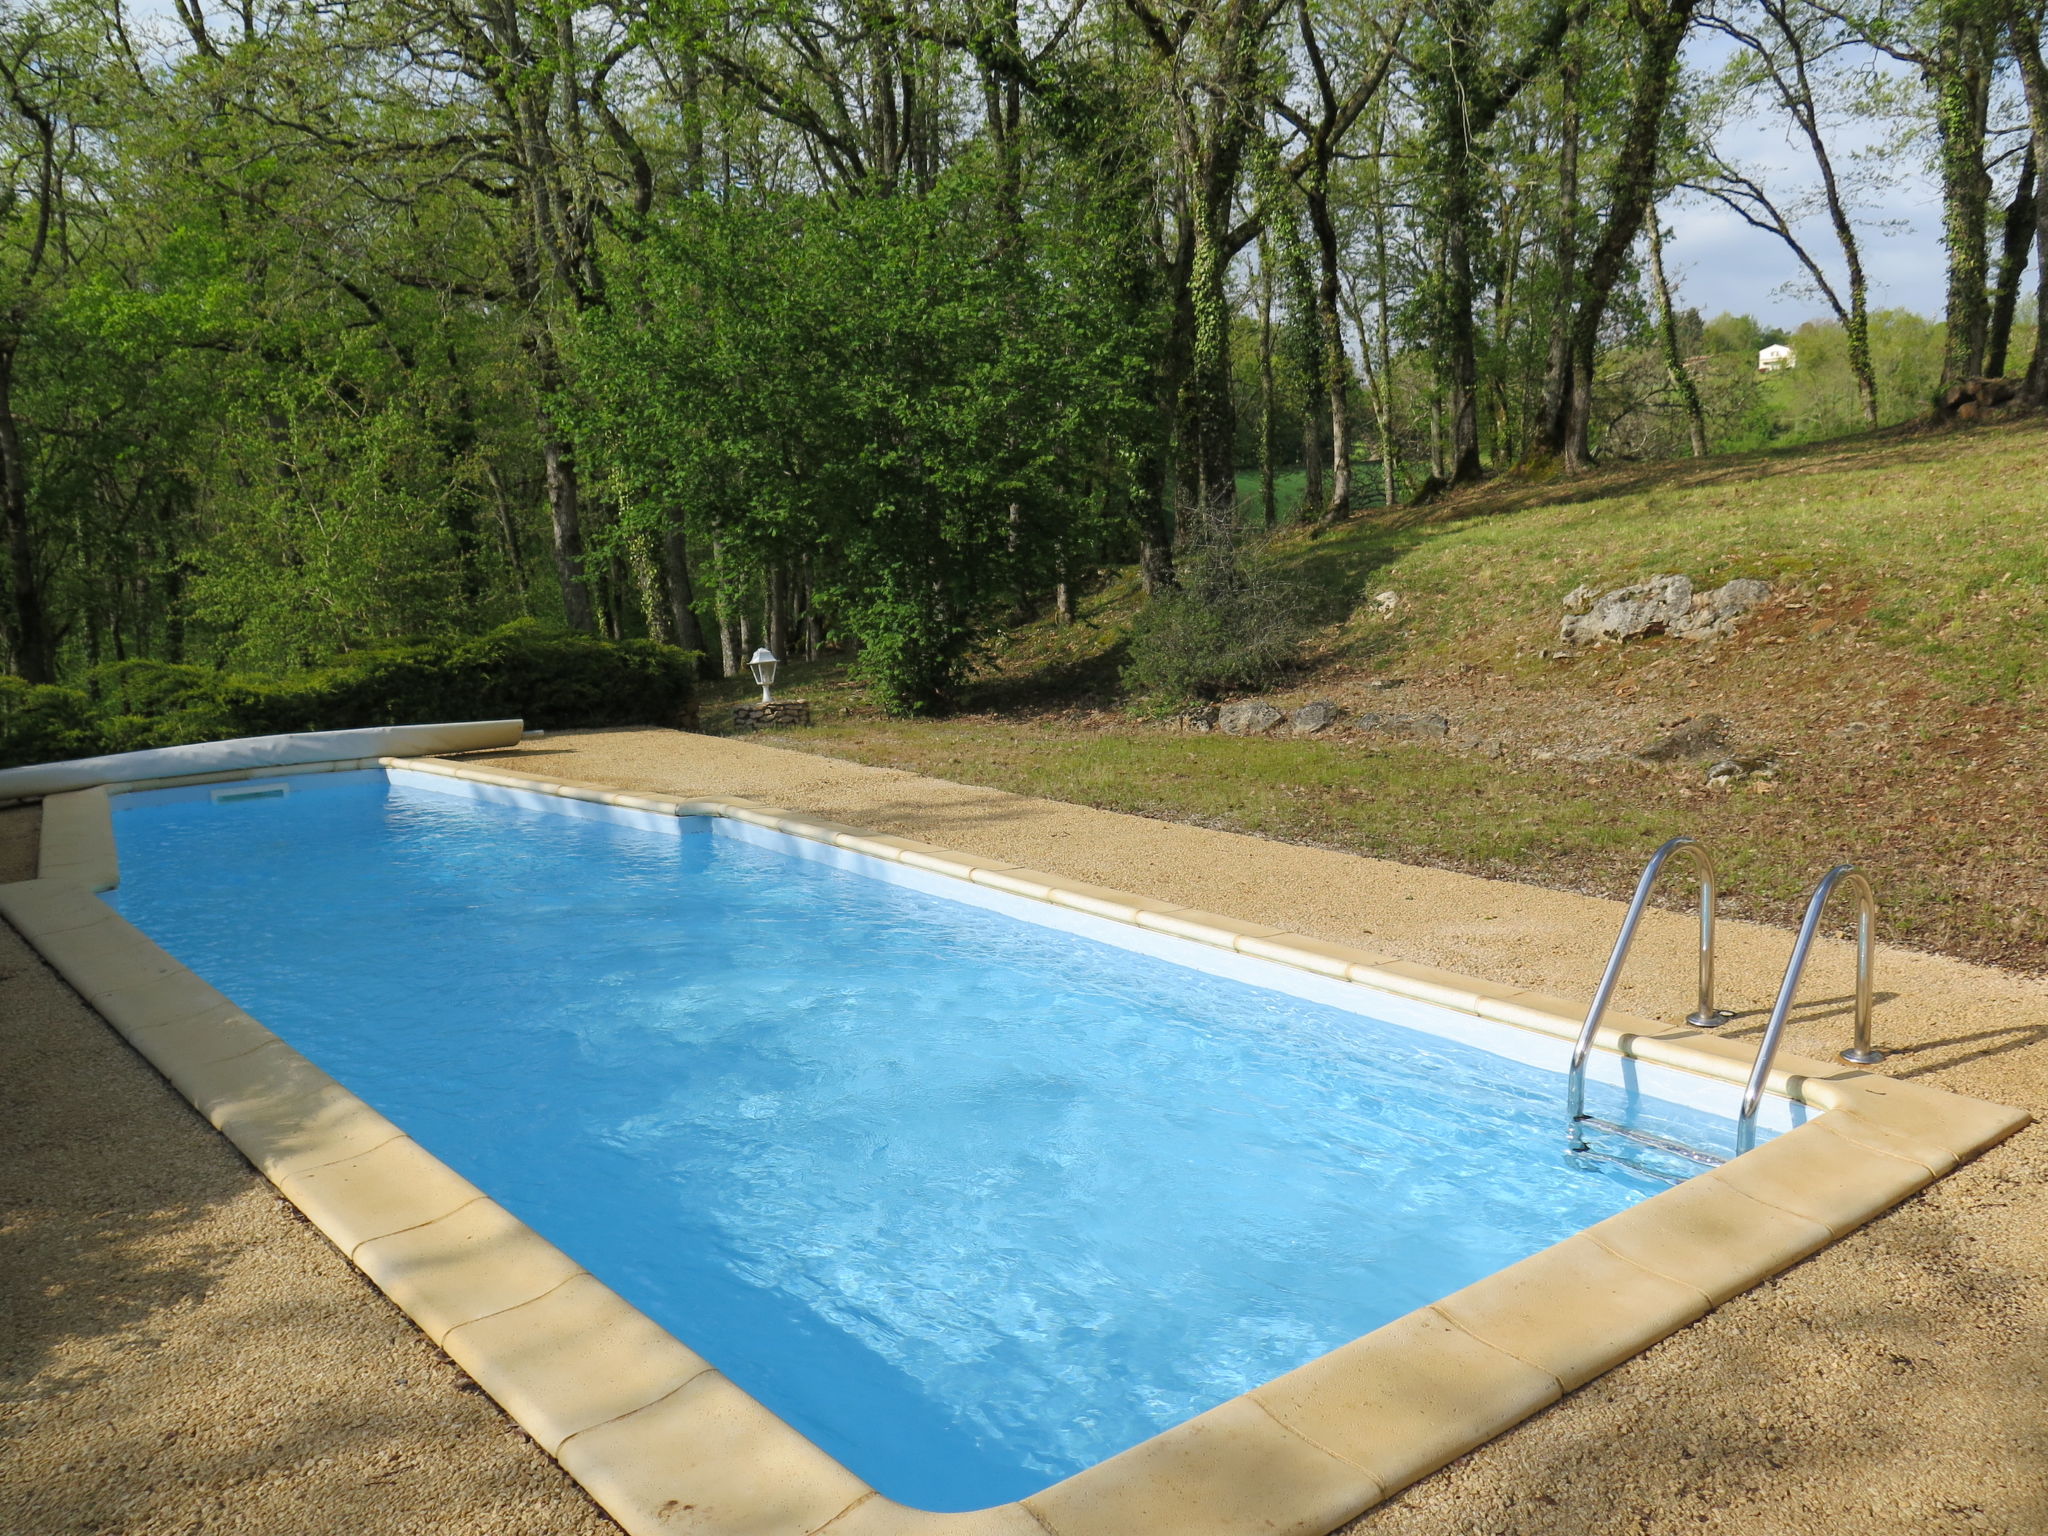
{"x":1898,"y":677}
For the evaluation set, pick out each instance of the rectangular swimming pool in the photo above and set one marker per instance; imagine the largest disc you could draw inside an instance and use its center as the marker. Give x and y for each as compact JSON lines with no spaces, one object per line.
{"x":971,"y":1190}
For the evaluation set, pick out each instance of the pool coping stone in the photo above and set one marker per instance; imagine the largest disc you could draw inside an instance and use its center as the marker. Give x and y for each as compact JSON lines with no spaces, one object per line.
{"x":651,"y":1429}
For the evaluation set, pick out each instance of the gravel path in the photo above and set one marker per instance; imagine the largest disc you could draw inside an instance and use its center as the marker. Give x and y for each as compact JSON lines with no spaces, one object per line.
{"x":191,"y":1357}
{"x":179,"y":1351}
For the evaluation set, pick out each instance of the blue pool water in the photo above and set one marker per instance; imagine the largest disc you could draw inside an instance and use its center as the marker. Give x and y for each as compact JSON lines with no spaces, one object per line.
{"x":973,"y":1203}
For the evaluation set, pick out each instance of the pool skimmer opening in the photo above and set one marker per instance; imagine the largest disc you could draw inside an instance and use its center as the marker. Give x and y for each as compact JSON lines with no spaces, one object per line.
{"x":240,"y":792}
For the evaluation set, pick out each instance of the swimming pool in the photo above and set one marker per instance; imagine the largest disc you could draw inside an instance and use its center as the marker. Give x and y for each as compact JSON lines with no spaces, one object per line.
{"x":972,"y":1191}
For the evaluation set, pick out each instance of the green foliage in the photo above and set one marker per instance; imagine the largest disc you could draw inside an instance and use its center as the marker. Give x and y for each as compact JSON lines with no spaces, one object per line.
{"x":1741,"y":335}
{"x":548,"y":678}
{"x":1234,"y":623}
{"x":923,"y":398}
{"x":41,"y":723}
{"x":1816,"y":398}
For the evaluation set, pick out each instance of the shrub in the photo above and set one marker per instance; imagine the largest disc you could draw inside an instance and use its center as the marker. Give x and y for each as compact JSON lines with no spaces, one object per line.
{"x":1233,"y":623}
{"x":40,"y":724}
{"x":550,"y":679}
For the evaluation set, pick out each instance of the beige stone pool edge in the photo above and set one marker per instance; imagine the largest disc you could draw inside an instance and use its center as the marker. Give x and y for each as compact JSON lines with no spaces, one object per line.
{"x":665,"y":1443}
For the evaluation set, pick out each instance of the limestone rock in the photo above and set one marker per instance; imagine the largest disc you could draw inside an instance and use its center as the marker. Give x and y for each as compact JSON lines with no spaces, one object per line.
{"x":1253,"y":717}
{"x":1663,"y":605}
{"x":1648,"y":608}
{"x":1316,"y":715}
{"x":1714,"y":613}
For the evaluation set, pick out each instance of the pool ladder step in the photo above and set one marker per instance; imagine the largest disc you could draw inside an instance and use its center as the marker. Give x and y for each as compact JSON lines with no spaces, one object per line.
{"x":1706,"y":1015}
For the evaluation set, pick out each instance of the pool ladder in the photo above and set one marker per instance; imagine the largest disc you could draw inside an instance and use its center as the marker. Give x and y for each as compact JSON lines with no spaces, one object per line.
{"x":1706,"y":1015}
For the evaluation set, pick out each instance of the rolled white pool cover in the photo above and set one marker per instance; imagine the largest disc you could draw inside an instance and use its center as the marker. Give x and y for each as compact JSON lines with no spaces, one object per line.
{"x":303,"y":747}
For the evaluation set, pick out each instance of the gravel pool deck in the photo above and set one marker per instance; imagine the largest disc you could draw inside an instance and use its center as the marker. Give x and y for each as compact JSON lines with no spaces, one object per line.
{"x":181,"y":1353}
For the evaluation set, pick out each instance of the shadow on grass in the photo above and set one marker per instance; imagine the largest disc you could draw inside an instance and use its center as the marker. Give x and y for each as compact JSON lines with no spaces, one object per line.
{"x":1095,"y":677}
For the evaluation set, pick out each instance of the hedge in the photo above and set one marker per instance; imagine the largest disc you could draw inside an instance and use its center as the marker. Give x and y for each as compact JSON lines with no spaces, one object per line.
{"x":550,"y":679}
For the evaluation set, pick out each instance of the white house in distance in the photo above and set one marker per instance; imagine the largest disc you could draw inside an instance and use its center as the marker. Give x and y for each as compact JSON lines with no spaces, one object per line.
{"x":1771,"y":359}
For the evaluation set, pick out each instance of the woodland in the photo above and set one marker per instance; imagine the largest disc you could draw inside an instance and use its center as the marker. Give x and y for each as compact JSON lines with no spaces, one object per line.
{"x":878,"y":325}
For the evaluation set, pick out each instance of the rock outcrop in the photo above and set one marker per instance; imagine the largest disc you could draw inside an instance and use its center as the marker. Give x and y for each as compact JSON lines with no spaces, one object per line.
{"x":1663,"y":605}
{"x":1313,"y":717}
{"x":1253,"y":717}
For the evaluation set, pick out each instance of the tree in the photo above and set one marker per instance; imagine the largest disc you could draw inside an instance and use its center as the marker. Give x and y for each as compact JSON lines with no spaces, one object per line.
{"x":1785,"y":49}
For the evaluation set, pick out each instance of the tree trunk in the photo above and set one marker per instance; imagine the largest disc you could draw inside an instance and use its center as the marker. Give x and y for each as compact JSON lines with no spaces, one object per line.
{"x":1336,"y":362}
{"x":1312,"y":502}
{"x":2026,"y":47}
{"x":1557,"y":367}
{"x":1207,"y":413}
{"x":650,"y":582}
{"x":30,"y":642}
{"x":682,"y":592}
{"x":2017,"y":242}
{"x":777,"y":584}
{"x":564,"y":514}
{"x":1798,"y":94}
{"x":1154,"y":524}
{"x":1461,"y":344}
{"x":1267,"y":501}
{"x":1631,"y":184}
{"x":1962,"y":91}
{"x":1462,"y":97}
{"x":1674,"y":357}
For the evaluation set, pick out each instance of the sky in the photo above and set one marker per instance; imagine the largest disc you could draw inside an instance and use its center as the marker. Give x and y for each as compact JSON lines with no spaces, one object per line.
{"x":1719,"y":264}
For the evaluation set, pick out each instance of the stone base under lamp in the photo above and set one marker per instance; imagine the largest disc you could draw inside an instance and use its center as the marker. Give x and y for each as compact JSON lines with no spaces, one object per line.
{"x":758,"y":716}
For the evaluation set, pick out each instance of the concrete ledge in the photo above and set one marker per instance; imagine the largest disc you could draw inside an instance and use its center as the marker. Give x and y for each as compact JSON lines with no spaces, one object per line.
{"x":78,"y":841}
{"x":651,"y":1429}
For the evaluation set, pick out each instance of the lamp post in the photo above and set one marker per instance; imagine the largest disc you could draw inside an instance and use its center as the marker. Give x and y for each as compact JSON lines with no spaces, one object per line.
{"x":762,"y":665}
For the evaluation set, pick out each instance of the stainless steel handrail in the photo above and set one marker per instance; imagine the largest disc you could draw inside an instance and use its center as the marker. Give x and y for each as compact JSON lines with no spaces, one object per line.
{"x":1706,"y":1016}
{"x":1859,"y":1054}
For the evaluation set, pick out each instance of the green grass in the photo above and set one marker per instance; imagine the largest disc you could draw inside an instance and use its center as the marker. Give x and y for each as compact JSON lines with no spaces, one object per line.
{"x":1291,"y":485}
{"x":1913,"y":577}
{"x":1932,"y":546}
{"x":1554,"y":823}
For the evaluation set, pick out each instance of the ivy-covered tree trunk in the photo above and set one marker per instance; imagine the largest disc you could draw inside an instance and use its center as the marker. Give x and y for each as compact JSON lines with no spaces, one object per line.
{"x":1462,"y":97}
{"x":2016,"y":242}
{"x":650,"y":584}
{"x":2026,"y":47}
{"x":1961,"y":76}
{"x":682,"y":591}
{"x":1208,"y":415}
{"x":1674,"y":356}
{"x":1268,"y":437}
{"x":1630,"y":185}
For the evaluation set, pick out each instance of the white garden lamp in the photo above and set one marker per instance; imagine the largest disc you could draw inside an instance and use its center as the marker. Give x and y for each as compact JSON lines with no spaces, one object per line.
{"x":762,"y":664}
